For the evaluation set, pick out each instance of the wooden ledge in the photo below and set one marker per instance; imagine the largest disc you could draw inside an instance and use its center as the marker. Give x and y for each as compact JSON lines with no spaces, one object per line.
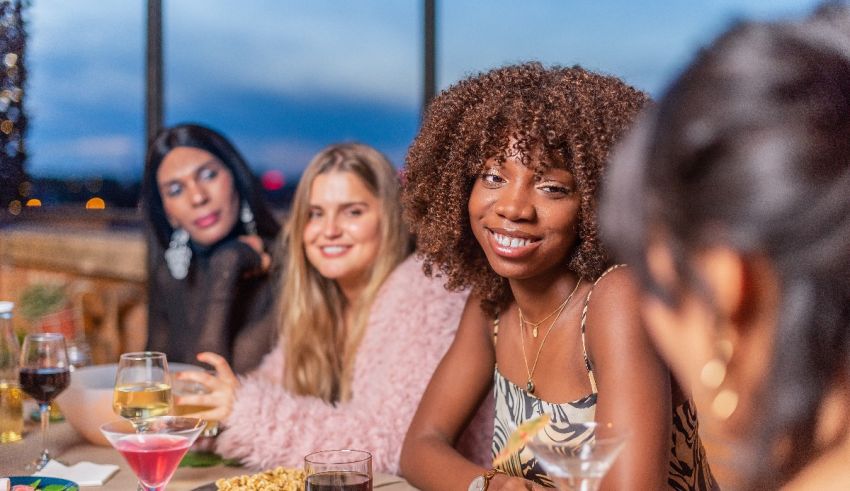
{"x":114,"y":254}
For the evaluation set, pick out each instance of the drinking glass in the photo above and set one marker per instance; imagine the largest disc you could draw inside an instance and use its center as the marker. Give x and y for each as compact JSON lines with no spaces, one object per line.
{"x":338,"y":470}
{"x":142,"y":387}
{"x":189,"y":388}
{"x":43,"y":375}
{"x":582,"y":466}
{"x":154,"y":452}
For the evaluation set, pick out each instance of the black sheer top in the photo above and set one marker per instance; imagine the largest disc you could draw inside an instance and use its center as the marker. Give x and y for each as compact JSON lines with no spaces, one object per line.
{"x":218,"y":307}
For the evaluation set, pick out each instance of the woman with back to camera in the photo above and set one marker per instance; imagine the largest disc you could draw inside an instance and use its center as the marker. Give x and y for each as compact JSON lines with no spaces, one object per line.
{"x":209,"y":288}
{"x":732,"y":201}
{"x":361,"y":330}
{"x":500,"y":190}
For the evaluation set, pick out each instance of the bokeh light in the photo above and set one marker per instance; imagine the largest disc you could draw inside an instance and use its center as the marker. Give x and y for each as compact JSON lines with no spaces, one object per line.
{"x":34,"y":202}
{"x":15,"y":207}
{"x":273,"y":180}
{"x":95,"y":204}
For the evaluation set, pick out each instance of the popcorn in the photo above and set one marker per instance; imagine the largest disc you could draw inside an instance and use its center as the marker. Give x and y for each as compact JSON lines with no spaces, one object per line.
{"x":273,"y":480}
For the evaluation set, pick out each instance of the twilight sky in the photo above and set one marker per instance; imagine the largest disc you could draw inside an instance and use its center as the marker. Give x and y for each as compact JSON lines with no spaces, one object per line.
{"x":285,"y":78}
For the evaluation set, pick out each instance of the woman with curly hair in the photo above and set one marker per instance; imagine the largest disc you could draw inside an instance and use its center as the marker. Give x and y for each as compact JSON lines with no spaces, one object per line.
{"x":500,"y":190}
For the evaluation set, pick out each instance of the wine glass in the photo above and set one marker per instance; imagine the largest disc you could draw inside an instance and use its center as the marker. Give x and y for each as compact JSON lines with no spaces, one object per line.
{"x":154,"y":452}
{"x":343,"y":470}
{"x":142,"y":387}
{"x":43,"y":375}
{"x":579,"y":466}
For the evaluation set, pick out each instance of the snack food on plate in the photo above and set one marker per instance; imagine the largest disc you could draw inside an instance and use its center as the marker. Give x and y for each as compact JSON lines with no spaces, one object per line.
{"x":277,"y":479}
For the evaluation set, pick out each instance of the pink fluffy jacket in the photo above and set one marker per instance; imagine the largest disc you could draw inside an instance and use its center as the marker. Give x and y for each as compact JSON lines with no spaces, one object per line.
{"x":412,"y":324}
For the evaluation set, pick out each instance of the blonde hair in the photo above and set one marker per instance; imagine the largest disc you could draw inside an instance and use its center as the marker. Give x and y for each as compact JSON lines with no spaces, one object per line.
{"x":319,"y":347}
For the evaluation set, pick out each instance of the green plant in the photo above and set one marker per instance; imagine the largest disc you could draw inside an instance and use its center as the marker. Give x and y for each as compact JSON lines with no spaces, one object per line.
{"x":40,"y":299}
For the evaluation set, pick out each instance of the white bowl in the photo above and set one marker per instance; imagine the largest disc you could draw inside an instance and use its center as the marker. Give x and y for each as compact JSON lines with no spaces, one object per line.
{"x":87,"y":402}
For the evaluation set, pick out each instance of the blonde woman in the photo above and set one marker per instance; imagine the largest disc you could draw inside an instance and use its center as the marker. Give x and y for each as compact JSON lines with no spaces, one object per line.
{"x":361,"y":331}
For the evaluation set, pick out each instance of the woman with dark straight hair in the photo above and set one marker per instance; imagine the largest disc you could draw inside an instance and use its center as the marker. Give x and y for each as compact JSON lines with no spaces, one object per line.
{"x":731,"y":200}
{"x":210,"y":228}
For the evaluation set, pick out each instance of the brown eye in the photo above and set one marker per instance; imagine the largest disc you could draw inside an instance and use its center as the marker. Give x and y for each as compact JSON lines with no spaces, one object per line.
{"x":492,"y":178}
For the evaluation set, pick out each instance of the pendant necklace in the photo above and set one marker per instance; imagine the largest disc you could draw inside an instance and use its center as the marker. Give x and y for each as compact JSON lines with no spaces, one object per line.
{"x":529,"y":386}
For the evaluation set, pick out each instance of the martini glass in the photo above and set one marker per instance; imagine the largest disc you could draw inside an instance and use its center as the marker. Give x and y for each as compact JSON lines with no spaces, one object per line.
{"x":581,"y":466}
{"x":154,"y":453}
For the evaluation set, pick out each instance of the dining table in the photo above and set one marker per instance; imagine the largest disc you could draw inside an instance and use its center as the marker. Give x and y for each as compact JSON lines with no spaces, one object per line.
{"x":69,"y":447}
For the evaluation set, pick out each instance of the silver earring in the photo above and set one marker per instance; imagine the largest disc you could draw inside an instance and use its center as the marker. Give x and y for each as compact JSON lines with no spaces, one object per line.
{"x":247,"y":218}
{"x":178,"y":255}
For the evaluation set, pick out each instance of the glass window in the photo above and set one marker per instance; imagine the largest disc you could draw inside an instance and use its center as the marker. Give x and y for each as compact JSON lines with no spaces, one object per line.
{"x":285,"y":79}
{"x":85,"y":100}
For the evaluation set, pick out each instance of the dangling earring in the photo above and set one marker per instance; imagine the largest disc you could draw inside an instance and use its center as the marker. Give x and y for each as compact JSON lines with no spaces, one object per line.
{"x":247,"y":218}
{"x":713,"y":375}
{"x":178,"y":255}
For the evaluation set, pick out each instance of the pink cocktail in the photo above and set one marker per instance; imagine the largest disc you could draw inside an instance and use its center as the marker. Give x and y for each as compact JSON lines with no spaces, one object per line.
{"x":154,"y":453}
{"x":153,"y":458}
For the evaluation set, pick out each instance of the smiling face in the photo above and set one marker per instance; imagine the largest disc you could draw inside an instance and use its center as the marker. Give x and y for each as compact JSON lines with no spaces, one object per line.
{"x":198,"y":194}
{"x":343,"y":232}
{"x":525,"y":222}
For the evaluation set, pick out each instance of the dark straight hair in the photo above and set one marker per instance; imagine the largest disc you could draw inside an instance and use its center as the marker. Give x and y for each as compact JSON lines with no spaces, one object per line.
{"x":750,"y":148}
{"x":197,"y":136}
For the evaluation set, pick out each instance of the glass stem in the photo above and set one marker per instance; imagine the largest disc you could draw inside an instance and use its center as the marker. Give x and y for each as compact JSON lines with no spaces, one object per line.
{"x":44,"y":410}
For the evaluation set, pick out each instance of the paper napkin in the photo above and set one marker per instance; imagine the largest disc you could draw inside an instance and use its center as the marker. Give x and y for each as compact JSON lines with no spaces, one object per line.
{"x":82,"y":473}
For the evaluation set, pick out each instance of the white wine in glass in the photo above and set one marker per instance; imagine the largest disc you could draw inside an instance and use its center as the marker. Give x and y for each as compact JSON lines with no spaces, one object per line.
{"x":142,"y":387}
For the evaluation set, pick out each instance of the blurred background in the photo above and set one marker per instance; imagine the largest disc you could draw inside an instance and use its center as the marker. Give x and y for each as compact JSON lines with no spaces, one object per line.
{"x":282,"y":79}
{"x":285,"y":78}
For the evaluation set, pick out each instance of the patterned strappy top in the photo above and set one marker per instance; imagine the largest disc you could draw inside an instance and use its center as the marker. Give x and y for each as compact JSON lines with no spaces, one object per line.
{"x":688,"y":468}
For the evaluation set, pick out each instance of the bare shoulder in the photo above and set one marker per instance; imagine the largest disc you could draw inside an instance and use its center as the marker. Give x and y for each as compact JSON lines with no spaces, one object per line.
{"x":616,"y":288}
{"x":613,"y":308}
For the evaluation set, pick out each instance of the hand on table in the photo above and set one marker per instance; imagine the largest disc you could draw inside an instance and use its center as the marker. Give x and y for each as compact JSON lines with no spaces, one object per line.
{"x":221,"y":388}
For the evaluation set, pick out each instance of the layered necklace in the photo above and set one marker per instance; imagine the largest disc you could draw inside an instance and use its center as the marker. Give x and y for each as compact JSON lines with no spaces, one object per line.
{"x":523,"y":322}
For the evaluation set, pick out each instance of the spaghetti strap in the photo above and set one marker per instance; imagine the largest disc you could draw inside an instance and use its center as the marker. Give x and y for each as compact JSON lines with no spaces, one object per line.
{"x":587,"y":363}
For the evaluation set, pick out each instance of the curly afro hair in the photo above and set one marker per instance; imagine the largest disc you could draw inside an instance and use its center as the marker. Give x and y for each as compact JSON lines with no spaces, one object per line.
{"x":571,"y":113}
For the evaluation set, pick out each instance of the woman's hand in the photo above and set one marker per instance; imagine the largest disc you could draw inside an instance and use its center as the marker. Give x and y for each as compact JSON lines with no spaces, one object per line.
{"x":504,"y":482}
{"x":256,"y":243}
{"x":221,"y":388}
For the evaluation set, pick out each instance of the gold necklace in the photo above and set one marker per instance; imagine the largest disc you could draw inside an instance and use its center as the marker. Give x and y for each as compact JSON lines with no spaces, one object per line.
{"x":535,"y":325}
{"x":529,"y":386}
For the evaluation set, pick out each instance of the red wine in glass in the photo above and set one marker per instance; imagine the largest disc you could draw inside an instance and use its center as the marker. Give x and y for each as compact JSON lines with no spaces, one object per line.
{"x":338,"y":470}
{"x":44,"y":374}
{"x":339,"y":481}
{"x":44,"y":384}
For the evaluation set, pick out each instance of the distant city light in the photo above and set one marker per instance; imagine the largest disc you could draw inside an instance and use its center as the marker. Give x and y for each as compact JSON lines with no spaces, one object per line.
{"x":34,"y":202}
{"x":95,"y":204}
{"x":273,"y":180}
